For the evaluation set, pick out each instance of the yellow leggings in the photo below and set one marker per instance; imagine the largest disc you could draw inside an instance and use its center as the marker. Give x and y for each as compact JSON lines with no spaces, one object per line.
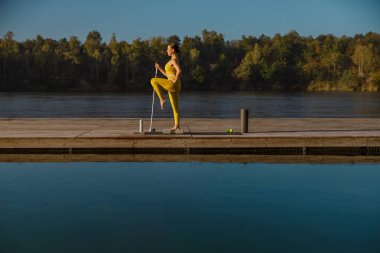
{"x":160,"y":84}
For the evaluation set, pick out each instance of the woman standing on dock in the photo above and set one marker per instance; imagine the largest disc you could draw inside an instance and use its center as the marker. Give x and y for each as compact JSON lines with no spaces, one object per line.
{"x":172,"y":84}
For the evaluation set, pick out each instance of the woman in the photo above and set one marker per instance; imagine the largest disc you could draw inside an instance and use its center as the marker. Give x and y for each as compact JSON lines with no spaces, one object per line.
{"x":172,"y":84}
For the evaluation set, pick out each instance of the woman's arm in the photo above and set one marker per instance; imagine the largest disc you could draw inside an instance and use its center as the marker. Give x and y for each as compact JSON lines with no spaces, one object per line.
{"x":160,"y":69}
{"x":178,"y":71}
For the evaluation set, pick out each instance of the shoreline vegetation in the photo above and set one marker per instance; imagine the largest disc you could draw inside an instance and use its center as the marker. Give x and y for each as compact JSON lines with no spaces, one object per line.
{"x":287,"y":62}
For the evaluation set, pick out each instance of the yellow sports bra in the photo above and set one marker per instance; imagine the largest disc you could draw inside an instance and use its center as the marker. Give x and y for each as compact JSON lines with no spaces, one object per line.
{"x":170,"y":70}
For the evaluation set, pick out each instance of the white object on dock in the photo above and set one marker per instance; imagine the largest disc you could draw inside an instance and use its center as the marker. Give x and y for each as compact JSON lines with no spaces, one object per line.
{"x":169,"y":131}
{"x":141,"y":126}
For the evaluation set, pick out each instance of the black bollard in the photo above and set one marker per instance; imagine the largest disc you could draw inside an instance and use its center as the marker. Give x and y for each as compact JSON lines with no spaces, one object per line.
{"x":244,"y":120}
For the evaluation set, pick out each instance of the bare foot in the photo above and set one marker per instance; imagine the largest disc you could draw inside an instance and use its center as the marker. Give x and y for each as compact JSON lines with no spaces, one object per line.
{"x":175,"y":128}
{"x":162,"y":102}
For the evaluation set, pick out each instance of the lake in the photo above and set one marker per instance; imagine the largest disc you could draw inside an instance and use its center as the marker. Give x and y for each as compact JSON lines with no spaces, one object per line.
{"x":189,"y":207}
{"x":192,"y":105}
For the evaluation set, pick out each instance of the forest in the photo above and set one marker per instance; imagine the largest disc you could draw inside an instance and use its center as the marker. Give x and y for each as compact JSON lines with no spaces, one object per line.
{"x":288,"y":62}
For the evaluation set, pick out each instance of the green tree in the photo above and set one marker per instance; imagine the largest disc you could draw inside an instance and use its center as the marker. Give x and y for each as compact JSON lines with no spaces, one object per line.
{"x":125,"y":49}
{"x":92,"y":47}
{"x":27,"y":55}
{"x":136,"y":54}
{"x":115,"y":55}
{"x":197,"y":74}
{"x":288,"y":62}
{"x":9,"y":48}
{"x":249,"y":66}
{"x":157,"y":49}
{"x":363,"y":59}
{"x":61,"y":66}
{"x":174,"y":39}
{"x":73,"y":53}
{"x":194,"y":56}
{"x":43,"y":53}
{"x":212,"y":45}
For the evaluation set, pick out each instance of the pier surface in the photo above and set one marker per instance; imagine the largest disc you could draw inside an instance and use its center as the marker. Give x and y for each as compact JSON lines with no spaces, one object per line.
{"x":119,"y":136}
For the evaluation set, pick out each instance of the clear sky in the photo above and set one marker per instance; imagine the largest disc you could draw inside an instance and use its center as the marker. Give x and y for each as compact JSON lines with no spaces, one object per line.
{"x":147,"y":18}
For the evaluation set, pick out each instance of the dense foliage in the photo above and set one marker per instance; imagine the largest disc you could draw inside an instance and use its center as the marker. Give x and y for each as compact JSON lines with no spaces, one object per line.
{"x":209,"y":62}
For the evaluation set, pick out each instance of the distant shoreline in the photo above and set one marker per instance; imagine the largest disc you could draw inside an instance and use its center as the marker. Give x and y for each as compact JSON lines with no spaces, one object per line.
{"x":287,"y":62}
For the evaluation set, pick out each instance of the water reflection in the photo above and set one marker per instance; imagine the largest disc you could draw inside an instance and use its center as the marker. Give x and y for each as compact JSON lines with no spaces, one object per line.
{"x":189,"y":207}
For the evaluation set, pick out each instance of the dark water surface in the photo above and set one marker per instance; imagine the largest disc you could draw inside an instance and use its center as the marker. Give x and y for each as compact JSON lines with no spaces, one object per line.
{"x":192,"y":104}
{"x":189,"y":207}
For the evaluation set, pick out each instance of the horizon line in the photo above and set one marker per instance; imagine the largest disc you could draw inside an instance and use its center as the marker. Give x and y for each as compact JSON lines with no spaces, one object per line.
{"x":191,"y":36}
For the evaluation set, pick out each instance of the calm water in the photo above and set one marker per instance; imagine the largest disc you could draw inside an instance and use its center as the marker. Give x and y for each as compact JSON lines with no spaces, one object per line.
{"x":200,"y":104}
{"x":189,"y":207}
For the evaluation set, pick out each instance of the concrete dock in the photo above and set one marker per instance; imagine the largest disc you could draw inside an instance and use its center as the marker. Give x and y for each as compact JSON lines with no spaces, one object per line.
{"x":116,"y":139}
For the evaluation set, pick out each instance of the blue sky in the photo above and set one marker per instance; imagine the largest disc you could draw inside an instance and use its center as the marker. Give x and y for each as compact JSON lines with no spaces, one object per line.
{"x":147,"y":18}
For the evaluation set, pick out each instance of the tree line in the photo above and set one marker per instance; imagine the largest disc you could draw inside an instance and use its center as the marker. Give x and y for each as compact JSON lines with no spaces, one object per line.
{"x":209,"y":62}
